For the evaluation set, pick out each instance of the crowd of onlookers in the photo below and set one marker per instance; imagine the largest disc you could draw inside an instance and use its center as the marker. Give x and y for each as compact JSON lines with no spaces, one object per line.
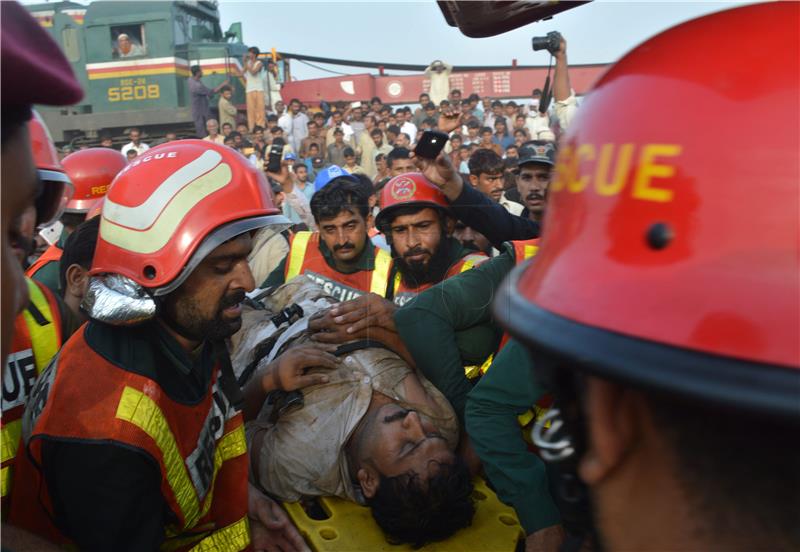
{"x":361,"y":136}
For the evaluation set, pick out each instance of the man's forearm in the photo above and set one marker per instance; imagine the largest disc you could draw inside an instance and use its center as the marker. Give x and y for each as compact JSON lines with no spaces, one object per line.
{"x":561,"y":85}
{"x":491,"y":219}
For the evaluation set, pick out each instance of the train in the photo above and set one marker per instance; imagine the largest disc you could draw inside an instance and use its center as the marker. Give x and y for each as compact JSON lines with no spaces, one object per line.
{"x":133,"y":60}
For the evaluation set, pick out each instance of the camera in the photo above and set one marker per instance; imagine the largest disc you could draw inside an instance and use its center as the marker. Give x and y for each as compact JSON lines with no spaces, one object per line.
{"x":551,"y":42}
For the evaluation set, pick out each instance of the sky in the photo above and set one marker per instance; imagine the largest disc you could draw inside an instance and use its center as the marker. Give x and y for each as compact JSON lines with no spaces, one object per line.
{"x":416,"y":32}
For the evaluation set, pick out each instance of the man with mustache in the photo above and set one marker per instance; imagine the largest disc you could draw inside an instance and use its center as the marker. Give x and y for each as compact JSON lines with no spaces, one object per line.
{"x":339,"y":256}
{"x":134,"y":434}
{"x":536,"y":159}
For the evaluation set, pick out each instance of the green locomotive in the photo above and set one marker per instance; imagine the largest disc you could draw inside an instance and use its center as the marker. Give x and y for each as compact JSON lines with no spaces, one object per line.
{"x":133,"y":59}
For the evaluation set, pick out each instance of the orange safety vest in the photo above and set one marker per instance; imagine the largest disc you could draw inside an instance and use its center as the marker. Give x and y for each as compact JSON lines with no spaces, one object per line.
{"x":403,"y":294}
{"x":51,"y":255}
{"x":37,"y":338}
{"x":306,"y":258}
{"x":200,"y":449}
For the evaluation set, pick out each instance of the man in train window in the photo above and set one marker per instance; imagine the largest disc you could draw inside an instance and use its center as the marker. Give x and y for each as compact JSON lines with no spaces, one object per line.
{"x":126,"y":47}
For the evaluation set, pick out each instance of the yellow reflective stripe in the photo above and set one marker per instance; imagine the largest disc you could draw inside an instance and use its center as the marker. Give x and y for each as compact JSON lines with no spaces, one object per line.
{"x":529,"y":251}
{"x":44,"y":339}
{"x":473,"y":370}
{"x":5,"y":481}
{"x":470,"y":261}
{"x":524,"y":419}
{"x":232,"y":445}
{"x":11,"y":433}
{"x":140,"y":410}
{"x":235,"y":536}
{"x":380,"y":274}
{"x":297,"y":253}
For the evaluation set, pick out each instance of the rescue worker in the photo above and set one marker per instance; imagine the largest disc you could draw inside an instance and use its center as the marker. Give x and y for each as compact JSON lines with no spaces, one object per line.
{"x":37,"y":338}
{"x":39,"y":329}
{"x":33,"y":70}
{"x":418,"y":225}
{"x":676,"y":372}
{"x":134,"y":434}
{"x":91,"y":172}
{"x":339,"y":256}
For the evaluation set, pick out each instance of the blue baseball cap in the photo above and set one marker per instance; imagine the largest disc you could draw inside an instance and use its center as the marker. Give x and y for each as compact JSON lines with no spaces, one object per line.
{"x":291,"y":156}
{"x":329,"y":173}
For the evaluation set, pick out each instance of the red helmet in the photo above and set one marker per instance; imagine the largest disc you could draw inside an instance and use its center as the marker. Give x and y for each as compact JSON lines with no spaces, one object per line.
{"x":172,"y":206}
{"x":56,"y":186}
{"x":409,"y":189}
{"x":95,"y":209}
{"x":671,"y":256}
{"x":91,"y":171}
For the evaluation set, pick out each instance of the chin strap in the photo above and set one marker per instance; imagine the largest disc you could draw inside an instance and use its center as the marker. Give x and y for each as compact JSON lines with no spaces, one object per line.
{"x":559,"y":449}
{"x":227,"y":379}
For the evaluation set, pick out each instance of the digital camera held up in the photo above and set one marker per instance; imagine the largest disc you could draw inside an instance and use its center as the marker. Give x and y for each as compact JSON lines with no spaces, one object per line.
{"x":551,"y":42}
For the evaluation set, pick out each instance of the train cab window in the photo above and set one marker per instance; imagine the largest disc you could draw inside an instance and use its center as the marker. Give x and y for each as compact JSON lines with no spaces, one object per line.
{"x":191,"y":28}
{"x":128,"y":41}
{"x":69,"y":39}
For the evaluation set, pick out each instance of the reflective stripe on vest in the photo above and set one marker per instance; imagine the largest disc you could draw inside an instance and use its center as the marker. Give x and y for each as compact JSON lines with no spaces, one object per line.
{"x":234,"y":537}
{"x":140,"y":410}
{"x":297,"y":253}
{"x":45,"y":340}
{"x":51,"y":255}
{"x":379,"y":282}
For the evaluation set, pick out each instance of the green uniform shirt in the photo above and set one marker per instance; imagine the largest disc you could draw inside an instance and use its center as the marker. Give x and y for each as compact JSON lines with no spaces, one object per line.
{"x":49,"y":273}
{"x":509,"y":388}
{"x":365,"y":261}
{"x":449,"y":326}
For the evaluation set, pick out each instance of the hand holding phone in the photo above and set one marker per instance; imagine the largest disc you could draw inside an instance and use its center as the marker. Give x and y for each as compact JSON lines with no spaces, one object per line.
{"x":430,"y":144}
{"x":275,"y":158}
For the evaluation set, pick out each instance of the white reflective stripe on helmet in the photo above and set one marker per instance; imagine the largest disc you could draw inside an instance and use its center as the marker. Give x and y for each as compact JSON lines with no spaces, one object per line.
{"x":143,"y":216}
{"x":167,"y":220}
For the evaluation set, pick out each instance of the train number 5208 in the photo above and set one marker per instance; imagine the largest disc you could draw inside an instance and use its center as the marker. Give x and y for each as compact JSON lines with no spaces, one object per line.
{"x":134,"y":93}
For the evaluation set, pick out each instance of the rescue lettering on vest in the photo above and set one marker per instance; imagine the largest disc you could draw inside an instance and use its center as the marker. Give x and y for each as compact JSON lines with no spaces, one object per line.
{"x":608,"y":169}
{"x":201,"y":461}
{"x":18,"y":379}
{"x":333,"y":288}
{"x":38,"y":397}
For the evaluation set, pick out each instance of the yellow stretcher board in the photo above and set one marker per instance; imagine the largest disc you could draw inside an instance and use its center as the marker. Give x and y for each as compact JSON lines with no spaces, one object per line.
{"x":351,"y":528}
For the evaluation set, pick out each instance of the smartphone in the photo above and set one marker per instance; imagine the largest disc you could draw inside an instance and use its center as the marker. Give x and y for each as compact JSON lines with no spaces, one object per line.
{"x":431,"y":144}
{"x":355,"y":104}
{"x":275,"y":158}
{"x":52,"y":233}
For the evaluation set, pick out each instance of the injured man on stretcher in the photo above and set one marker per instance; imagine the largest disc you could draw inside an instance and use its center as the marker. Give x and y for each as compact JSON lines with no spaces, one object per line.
{"x":374,"y":432}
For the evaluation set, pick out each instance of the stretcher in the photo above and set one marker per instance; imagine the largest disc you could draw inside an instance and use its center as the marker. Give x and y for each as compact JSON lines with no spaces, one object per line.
{"x":350,"y":527}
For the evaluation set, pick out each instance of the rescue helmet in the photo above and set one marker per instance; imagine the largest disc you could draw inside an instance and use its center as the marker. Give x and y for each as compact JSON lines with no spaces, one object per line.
{"x":56,"y":189}
{"x":95,"y":209}
{"x":406,"y":190}
{"x":172,"y":206}
{"x":91,"y":172}
{"x":689,"y":238}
